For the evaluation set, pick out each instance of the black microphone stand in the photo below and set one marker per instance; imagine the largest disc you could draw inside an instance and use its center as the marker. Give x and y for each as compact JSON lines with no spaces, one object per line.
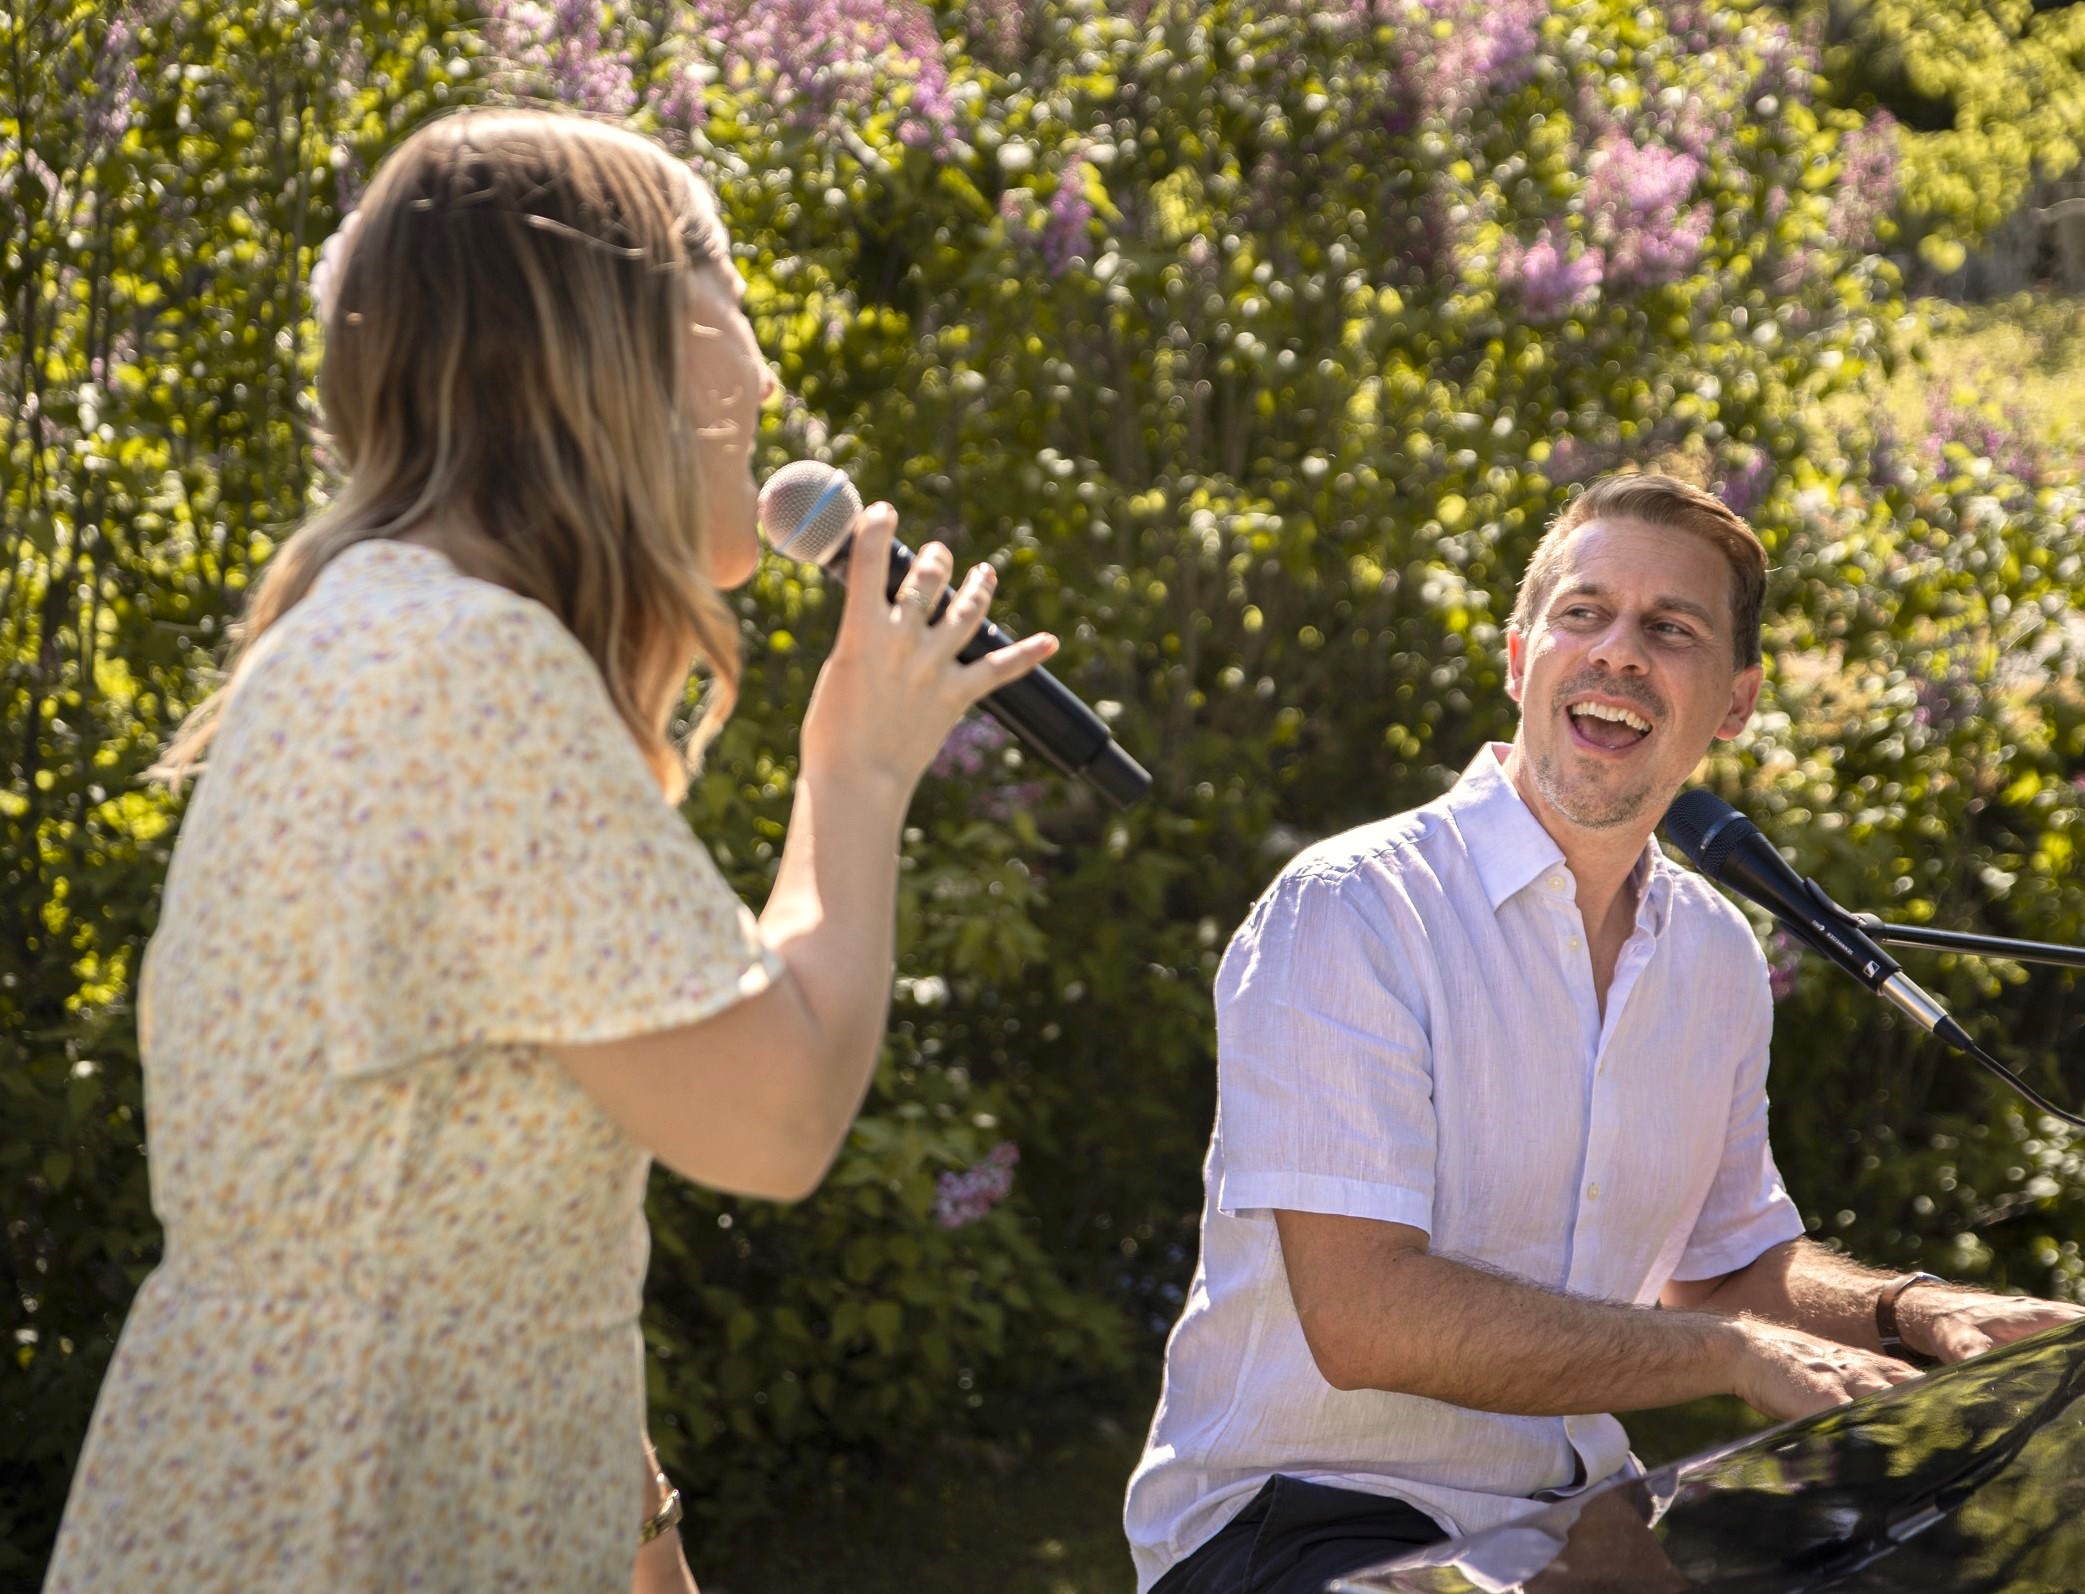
{"x":1936,"y":1018}
{"x":1990,"y":946}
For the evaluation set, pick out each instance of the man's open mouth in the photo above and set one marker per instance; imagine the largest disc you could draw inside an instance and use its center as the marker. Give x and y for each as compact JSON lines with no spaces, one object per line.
{"x":1608,"y":726}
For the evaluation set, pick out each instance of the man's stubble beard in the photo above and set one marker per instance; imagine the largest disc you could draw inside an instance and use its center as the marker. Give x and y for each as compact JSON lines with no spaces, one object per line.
{"x":1619,"y":811}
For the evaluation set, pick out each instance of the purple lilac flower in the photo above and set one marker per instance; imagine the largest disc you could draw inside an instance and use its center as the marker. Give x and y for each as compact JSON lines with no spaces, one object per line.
{"x":1573,"y":459}
{"x":1064,"y":236}
{"x":1550,"y":284}
{"x":1493,"y":53}
{"x":1001,"y":803}
{"x":1749,"y":481}
{"x":678,"y":98}
{"x":832,"y":59}
{"x":998,"y":31}
{"x":1633,"y":196}
{"x":969,"y":747}
{"x":1784,"y":957}
{"x":2005,"y":440}
{"x":1867,"y":181}
{"x":562,"y":44}
{"x":1692,"y":24}
{"x":1786,"y":62}
{"x":965,"y":1197}
{"x":1945,"y":703}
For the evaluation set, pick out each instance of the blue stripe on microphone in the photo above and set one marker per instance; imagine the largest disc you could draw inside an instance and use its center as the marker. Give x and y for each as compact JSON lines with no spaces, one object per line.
{"x":824,"y":498}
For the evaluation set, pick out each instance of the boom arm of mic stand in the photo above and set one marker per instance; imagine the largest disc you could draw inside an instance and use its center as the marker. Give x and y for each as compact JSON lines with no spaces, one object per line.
{"x":1996,"y":946}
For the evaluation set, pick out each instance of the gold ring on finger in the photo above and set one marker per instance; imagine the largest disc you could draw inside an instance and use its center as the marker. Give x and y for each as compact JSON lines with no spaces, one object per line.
{"x":918,"y":599}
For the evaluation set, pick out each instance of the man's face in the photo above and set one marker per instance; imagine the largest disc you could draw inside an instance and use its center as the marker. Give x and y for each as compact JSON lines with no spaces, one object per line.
{"x":1627,"y":672}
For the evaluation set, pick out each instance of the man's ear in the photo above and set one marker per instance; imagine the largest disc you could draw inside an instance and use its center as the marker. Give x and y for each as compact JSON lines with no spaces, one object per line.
{"x":1516,"y":662}
{"x":1744,"y":697}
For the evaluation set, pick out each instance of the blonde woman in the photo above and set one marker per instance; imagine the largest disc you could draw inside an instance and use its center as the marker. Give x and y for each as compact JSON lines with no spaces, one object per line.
{"x":440,"y":969}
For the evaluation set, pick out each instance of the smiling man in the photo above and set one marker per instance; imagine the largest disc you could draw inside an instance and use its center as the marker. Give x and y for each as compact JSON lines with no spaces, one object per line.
{"x":1490,"y":1157}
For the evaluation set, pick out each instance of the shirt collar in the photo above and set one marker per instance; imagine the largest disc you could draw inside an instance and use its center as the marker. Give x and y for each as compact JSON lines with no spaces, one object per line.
{"x":1510,"y":850}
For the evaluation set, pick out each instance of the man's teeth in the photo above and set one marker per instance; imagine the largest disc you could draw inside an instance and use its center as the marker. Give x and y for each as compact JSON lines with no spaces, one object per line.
{"x":1601,"y":711}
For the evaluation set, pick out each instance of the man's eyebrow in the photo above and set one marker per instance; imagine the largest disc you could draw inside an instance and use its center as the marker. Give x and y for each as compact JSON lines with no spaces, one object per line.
{"x":1670,"y":603}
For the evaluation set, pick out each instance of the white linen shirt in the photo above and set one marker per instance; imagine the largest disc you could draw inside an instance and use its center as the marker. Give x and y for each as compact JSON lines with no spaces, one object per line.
{"x":1407,"y":1030}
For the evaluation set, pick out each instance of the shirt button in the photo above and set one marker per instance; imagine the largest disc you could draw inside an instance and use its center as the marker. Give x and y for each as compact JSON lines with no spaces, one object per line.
{"x":1556,"y":882}
{"x":1572,"y":944}
{"x":1592,"y":1192}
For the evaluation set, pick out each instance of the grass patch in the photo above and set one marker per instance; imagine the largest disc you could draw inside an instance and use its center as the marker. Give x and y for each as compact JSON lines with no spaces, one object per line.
{"x":973,"y":1515}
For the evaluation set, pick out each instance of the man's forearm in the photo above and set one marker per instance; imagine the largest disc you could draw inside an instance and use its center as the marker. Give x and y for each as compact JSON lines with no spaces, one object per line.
{"x":1380,"y":1311}
{"x":1414,"y":1323}
{"x":1806,"y":1286}
{"x":1832,"y":1296}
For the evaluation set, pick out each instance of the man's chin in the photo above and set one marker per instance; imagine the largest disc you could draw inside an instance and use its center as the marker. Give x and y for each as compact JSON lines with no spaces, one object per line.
{"x":1589,"y":805}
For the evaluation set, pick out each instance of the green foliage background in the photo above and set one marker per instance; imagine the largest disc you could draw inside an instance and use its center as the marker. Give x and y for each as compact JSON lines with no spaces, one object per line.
{"x":1264,"y":428}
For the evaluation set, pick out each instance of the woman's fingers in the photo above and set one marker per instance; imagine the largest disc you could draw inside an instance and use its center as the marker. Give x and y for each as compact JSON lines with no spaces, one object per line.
{"x":919,"y":594}
{"x":868,"y":567}
{"x":966,"y":610}
{"x":999,"y":667}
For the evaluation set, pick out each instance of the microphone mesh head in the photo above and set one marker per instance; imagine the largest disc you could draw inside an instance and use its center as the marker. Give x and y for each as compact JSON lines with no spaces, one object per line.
{"x":807,"y":509}
{"x":1706,"y":829}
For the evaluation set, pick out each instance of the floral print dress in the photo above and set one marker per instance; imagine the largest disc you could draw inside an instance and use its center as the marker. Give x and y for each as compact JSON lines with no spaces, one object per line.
{"x":393,"y":1343}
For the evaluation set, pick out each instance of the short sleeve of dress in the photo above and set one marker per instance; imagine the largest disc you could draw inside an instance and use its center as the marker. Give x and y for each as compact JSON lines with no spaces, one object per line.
{"x":510,"y":872}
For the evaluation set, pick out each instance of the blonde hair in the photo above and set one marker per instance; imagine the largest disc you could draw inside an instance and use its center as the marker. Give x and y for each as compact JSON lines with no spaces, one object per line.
{"x":503,"y":349}
{"x":1665,"y":502}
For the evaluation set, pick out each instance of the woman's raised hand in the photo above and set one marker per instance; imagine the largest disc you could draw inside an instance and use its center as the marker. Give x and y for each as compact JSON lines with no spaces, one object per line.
{"x":893,"y":688}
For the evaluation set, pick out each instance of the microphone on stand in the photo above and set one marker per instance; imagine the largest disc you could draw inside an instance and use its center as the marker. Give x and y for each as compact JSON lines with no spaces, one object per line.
{"x":807,"y":512}
{"x":1730,"y":850}
{"x":1727,"y":847}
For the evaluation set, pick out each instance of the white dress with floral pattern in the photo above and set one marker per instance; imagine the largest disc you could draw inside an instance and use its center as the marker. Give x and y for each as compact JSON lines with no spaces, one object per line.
{"x":393,"y":1343}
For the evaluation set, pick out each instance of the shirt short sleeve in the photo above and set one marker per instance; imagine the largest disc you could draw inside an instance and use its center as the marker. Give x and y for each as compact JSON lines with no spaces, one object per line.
{"x":1324,"y":1078}
{"x":1747,"y":1209}
{"x":510,"y":873}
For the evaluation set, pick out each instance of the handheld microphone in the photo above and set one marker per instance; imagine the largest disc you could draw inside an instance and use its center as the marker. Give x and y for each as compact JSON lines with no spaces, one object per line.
{"x":1728,"y":848}
{"x":807,"y":512}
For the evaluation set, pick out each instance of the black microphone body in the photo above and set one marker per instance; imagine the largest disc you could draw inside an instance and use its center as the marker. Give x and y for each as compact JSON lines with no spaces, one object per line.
{"x":1044,"y":713}
{"x":1729,"y":849}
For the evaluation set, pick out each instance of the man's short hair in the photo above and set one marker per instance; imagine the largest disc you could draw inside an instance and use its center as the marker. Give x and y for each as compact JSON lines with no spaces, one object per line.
{"x":1664,"y":502}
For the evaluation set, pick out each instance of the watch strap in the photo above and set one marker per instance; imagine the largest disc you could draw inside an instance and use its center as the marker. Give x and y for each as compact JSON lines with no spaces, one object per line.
{"x":1886,"y":1312}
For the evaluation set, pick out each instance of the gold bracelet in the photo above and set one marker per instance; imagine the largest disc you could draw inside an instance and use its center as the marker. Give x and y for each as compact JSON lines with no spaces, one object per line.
{"x":667,"y":1516}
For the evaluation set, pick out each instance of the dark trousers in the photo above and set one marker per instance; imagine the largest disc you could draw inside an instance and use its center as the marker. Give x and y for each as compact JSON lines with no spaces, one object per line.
{"x":1295,"y":1537}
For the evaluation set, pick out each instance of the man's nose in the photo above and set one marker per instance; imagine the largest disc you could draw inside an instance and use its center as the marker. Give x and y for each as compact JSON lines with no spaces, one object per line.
{"x":1620,"y":647}
{"x":770,"y":384}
